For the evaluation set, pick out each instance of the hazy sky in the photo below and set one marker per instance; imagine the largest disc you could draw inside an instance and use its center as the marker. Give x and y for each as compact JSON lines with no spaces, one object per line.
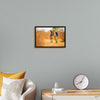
{"x":45,"y":29}
{"x":48,"y":29}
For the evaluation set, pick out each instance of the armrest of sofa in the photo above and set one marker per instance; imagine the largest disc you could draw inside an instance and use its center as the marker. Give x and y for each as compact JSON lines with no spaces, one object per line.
{"x":29,"y":91}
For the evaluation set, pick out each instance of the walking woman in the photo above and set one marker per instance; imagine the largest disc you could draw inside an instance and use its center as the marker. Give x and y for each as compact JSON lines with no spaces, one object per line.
{"x":51,"y":36}
{"x":56,"y":37}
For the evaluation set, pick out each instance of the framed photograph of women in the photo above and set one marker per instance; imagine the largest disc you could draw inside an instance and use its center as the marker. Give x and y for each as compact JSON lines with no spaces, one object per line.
{"x":50,"y":36}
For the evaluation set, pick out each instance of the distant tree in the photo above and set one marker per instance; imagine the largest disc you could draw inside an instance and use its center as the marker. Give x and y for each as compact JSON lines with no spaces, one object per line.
{"x":55,"y":28}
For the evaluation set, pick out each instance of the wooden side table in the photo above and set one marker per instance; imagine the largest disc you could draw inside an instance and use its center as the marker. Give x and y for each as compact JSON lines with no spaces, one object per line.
{"x":72,"y":94}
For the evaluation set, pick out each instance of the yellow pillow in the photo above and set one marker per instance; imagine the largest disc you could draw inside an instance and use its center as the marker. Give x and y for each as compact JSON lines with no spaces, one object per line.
{"x":10,"y":75}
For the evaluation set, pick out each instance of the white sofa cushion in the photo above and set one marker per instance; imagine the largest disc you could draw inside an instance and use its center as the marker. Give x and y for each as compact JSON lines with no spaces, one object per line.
{"x":12,"y":89}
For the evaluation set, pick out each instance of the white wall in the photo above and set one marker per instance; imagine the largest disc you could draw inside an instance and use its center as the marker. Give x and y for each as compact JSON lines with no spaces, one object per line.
{"x":46,"y":65}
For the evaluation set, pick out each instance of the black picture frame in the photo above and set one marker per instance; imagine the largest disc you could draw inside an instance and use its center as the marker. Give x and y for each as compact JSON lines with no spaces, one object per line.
{"x":51,"y":46}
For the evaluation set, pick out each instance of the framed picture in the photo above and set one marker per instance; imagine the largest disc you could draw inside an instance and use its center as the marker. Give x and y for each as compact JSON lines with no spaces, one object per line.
{"x":50,"y":36}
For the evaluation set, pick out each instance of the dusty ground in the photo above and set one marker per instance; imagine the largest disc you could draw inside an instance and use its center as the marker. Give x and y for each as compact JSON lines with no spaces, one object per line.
{"x":43,"y":39}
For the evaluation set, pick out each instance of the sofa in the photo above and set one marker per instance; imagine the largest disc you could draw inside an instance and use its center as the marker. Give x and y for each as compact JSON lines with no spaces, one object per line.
{"x":13,"y":86}
{"x":29,"y":90}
